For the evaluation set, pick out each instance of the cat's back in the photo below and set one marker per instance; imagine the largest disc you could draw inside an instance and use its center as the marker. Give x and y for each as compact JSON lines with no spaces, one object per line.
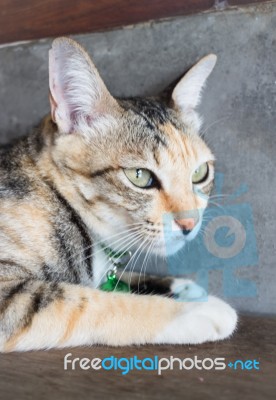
{"x":14,"y":180}
{"x":26,"y":213}
{"x":39,"y":230}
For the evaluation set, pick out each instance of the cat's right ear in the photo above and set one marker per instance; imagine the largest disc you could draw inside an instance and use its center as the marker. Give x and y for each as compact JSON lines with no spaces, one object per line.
{"x":80,"y":101}
{"x":187,"y":93}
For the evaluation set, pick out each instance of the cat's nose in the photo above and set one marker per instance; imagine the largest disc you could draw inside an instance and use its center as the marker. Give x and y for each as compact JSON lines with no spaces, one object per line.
{"x":186,"y":224}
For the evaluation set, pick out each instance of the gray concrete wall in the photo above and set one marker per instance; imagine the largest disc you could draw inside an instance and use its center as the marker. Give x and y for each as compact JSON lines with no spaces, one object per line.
{"x":238,"y":103}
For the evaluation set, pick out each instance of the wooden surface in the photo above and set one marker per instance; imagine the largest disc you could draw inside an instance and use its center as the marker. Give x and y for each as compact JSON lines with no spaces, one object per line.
{"x":40,"y":375}
{"x":34,"y":19}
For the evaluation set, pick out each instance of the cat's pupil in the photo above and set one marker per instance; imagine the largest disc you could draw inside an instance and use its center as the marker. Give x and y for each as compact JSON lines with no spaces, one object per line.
{"x":138,"y":173}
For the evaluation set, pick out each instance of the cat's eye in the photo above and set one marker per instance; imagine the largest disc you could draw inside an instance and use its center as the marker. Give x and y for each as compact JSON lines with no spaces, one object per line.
{"x":140,"y":177}
{"x":200,"y":174}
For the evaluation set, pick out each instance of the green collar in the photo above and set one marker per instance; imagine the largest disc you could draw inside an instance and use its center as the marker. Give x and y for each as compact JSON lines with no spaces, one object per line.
{"x":112,"y":253}
{"x":119,"y":259}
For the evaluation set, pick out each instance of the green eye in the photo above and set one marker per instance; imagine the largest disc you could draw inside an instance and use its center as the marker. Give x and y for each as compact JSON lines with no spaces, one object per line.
{"x":200,"y":174}
{"x":140,"y":177}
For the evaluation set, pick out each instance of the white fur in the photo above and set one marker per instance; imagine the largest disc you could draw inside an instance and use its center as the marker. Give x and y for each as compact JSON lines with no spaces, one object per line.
{"x":187,"y":93}
{"x":100,"y":266}
{"x":200,"y":322}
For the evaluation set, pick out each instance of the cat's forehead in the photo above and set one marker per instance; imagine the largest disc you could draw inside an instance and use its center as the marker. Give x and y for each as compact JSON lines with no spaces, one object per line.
{"x":149,"y":112}
{"x":152,"y":127}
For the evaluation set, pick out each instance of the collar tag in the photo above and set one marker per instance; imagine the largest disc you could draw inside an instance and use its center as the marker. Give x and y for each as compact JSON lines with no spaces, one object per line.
{"x":112,"y":284}
{"x":119,"y":260}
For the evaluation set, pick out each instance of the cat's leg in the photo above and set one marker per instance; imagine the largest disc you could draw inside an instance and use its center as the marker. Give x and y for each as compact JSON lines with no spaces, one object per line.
{"x":37,"y":314}
{"x":153,"y":284}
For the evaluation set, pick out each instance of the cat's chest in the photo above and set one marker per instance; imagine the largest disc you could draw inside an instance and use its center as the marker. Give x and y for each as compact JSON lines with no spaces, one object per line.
{"x":101,"y":265}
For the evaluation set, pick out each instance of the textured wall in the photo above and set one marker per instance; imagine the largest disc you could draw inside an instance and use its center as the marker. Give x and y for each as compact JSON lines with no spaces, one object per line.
{"x":238,"y":103}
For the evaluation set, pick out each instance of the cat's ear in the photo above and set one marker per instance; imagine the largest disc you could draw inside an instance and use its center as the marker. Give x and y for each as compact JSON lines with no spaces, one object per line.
{"x":78,"y":96}
{"x":186,"y":94}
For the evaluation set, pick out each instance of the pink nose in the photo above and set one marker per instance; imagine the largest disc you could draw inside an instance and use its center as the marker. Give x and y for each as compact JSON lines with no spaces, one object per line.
{"x":186,"y":224}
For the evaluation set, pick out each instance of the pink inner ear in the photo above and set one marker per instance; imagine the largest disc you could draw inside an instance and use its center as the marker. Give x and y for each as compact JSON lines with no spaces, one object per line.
{"x":53,"y":106}
{"x":59,"y":108}
{"x":77,"y":93}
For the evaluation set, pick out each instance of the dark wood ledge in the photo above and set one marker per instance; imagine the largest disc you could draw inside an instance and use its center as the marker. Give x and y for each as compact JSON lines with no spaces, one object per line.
{"x":41,"y":375}
{"x":35,"y":19}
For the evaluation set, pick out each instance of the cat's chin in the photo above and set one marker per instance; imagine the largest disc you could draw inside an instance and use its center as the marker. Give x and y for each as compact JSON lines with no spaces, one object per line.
{"x":174,"y":243}
{"x":168,"y":249}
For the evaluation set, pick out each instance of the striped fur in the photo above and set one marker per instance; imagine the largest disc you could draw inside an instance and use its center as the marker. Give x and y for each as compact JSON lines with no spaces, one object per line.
{"x":63,"y":191}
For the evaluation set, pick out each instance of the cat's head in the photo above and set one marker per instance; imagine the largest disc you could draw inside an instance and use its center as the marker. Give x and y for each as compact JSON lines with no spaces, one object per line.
{"x":136,"y":169}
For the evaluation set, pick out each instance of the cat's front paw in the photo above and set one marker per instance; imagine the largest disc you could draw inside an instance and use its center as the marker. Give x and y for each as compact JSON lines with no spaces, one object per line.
{"x":187,"y":290}
{"x":200,"y":322}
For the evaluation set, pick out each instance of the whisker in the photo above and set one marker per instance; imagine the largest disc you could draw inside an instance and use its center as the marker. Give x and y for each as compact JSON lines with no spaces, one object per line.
{"x":155,"y":262}
{"x":124,"y":269}
{"x":212,"y":124}
{"x":137,"y":257}
{"x":125,"y":233}
{"x":219,"y":195}
{"x":112,"y":244}
{"x":217,"y":205}
{"x":145,"y":263}
{"x":117,"y":242}
{"x":109,"y":237}
{"x":130,"y":244}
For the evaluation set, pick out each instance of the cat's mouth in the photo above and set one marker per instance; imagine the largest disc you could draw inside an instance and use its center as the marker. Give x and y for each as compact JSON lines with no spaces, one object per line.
{"x":171,"y":245}
{"x":150,"y":240}
{"x":167,"y":242}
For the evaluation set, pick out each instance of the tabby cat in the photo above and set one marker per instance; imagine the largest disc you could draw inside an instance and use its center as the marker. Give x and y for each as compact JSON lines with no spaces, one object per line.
{"x":99,"y":174}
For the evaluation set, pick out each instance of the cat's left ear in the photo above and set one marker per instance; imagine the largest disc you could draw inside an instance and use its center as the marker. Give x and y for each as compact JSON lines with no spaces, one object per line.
{"x":80,"y":101}
{"x":187,"y":93}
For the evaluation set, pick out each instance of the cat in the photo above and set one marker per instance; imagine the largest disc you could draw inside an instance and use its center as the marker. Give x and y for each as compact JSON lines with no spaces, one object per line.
{"x":95,"y":178}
